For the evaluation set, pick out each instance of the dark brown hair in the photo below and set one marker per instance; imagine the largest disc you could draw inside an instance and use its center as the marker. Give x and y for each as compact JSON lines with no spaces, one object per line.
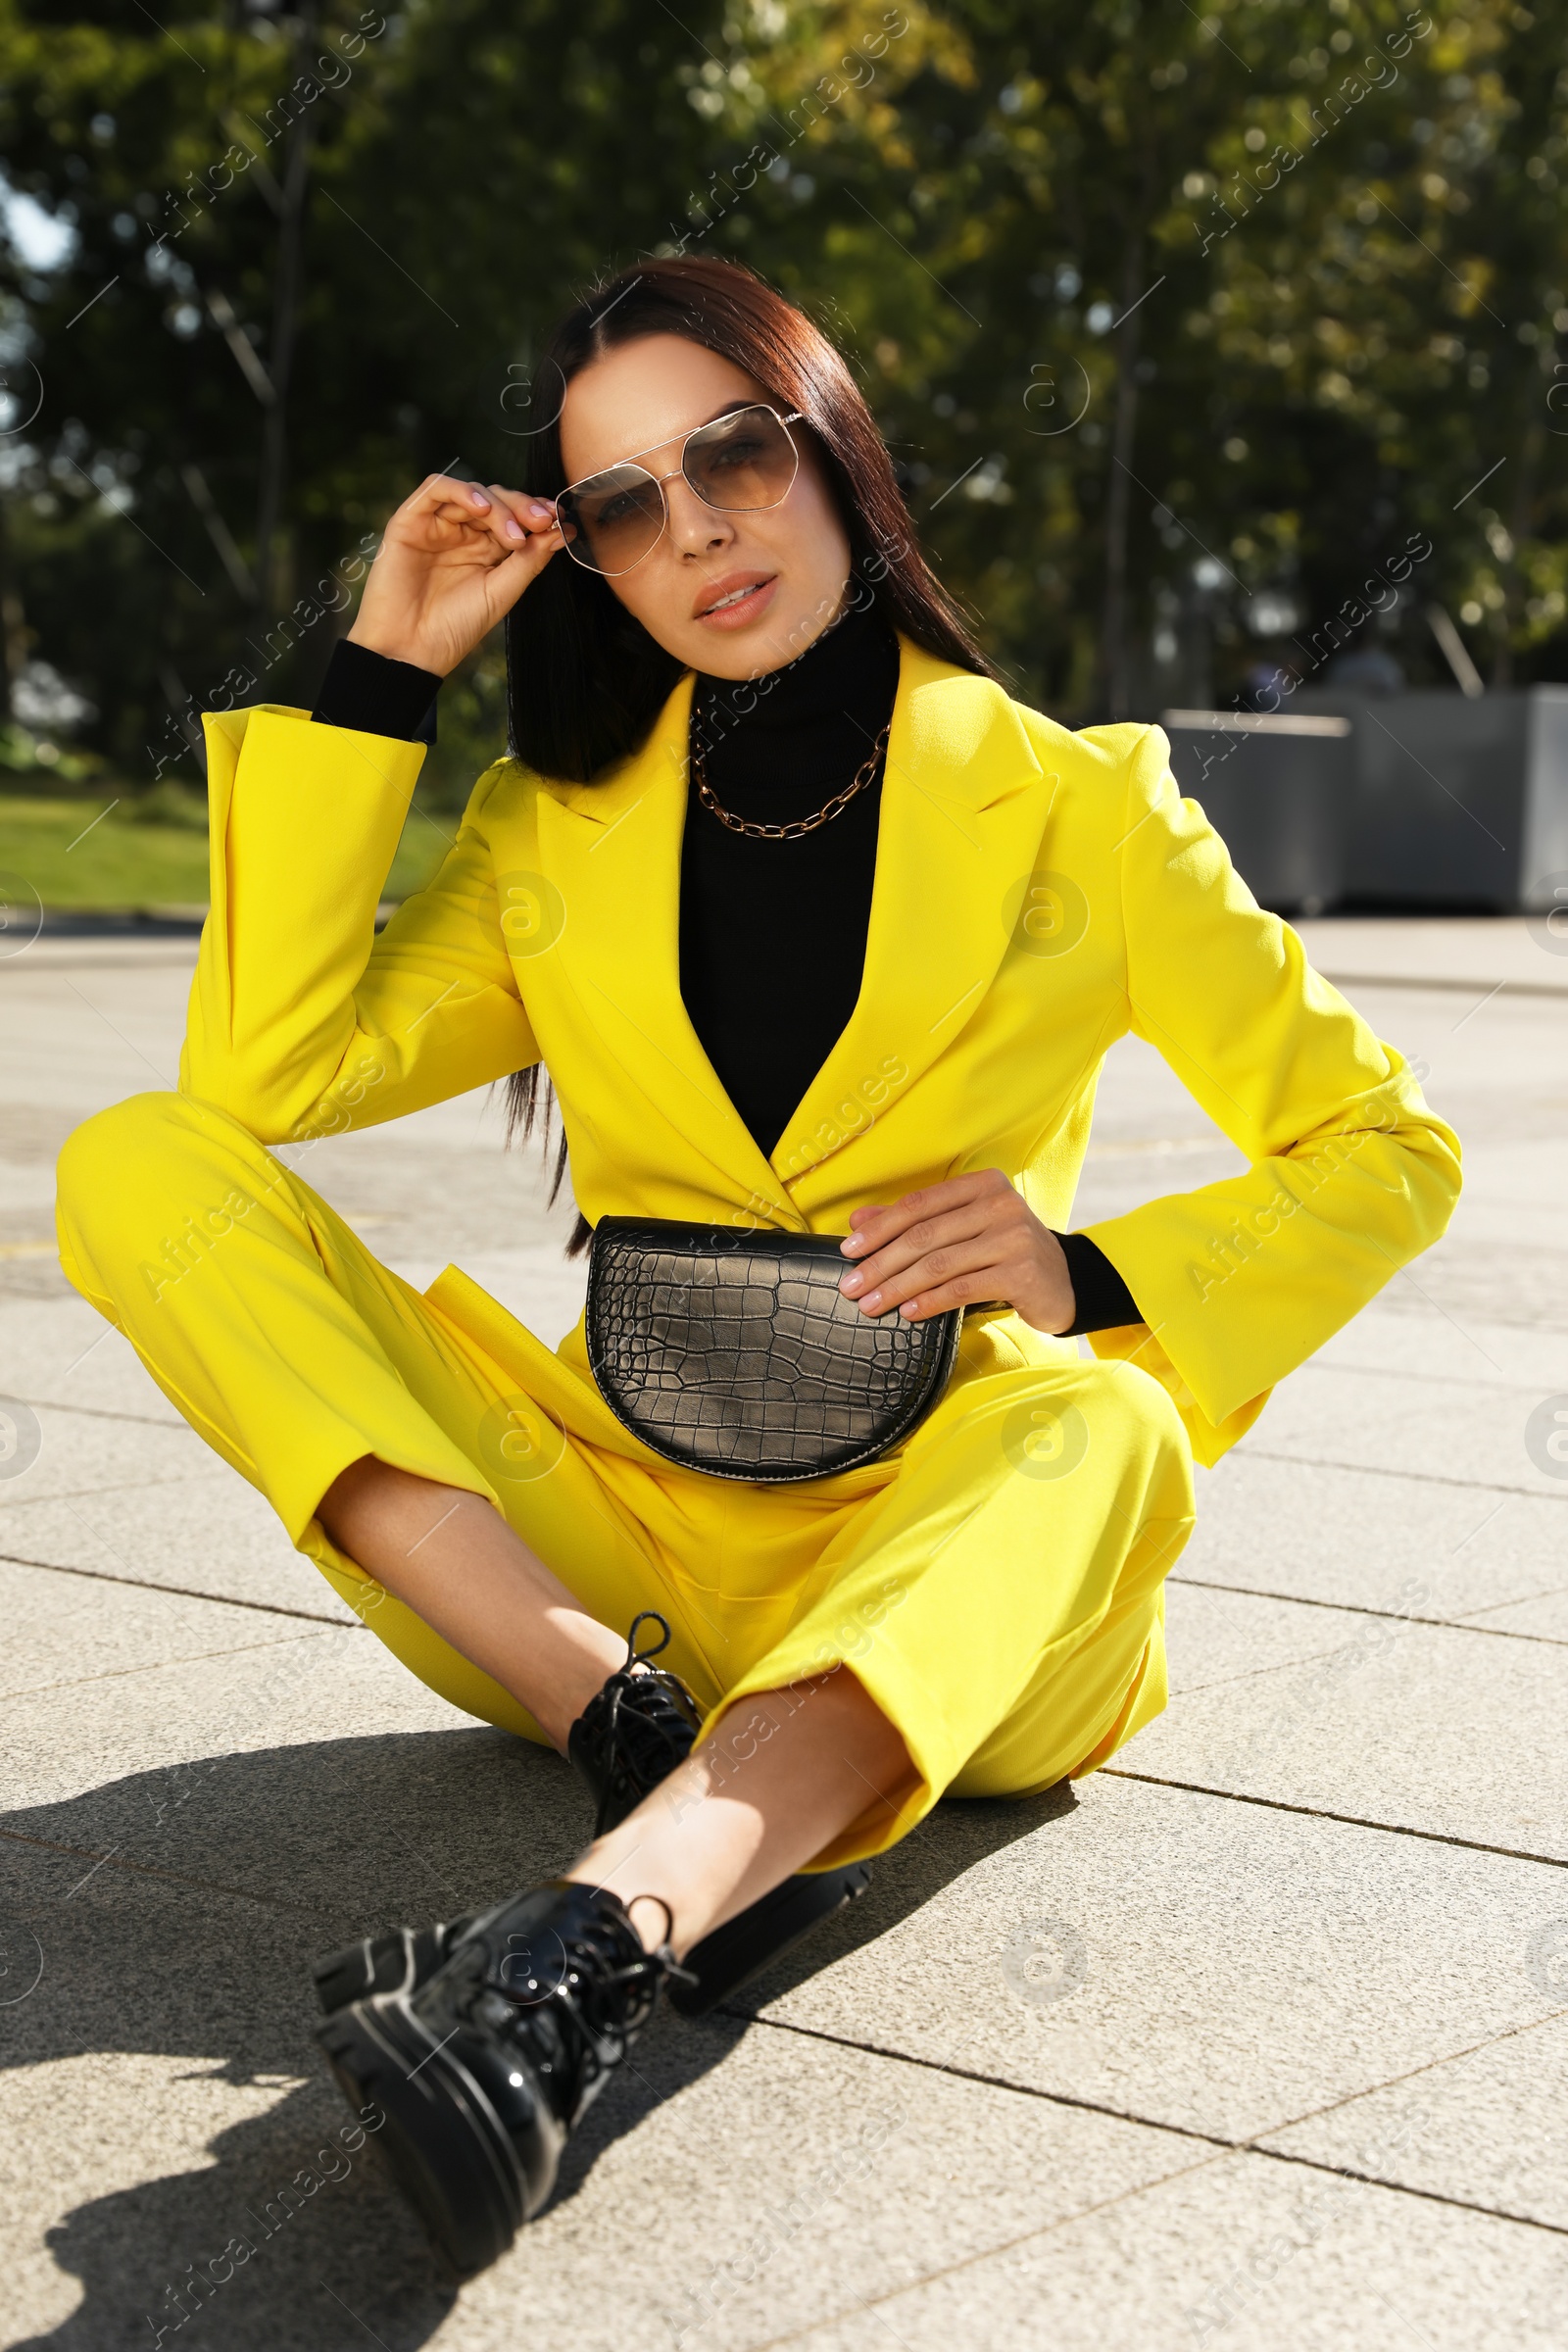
{"x":585,"y":681}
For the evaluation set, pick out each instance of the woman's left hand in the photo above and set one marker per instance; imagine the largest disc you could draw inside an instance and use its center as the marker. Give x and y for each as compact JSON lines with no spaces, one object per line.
{"x":972,"y":1238}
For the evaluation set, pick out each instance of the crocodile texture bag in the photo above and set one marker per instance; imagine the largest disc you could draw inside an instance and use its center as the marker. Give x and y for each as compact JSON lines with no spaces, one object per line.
{"x":735,"y":1352}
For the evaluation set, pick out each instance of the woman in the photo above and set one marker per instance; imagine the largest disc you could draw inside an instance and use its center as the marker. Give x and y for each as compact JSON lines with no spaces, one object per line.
{"x":858,"y":981}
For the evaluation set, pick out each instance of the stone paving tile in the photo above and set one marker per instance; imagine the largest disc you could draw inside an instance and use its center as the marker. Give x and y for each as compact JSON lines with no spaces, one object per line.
{"x":1513,"y":1181}
{"x":27,"y":1193}
{"x":176,"y":1856}
{"x":61,"y":1351}
{"x":1221,"y":1967}
{"x":1424,"y":1344}
{"x":418,"y":1815}
{"x":733,"y":2190}
{"x":310,"y":1771}
{"x":793,"y":2179}
{"x":66,"y":1635}
{"x":1213,"y":1637}
{"x":539,"y":1285}
{"x":212,"y":1535}
{"x":1446,"y":948}
{"x":1501,"y":1267}
{"x":1368,"y":1541}
{"x":77,"y":1039}
{"x":159,"y":2089}
{"x":1468,"y":1431}
{"x":1431,"y":1727}
{"x":83,"y":1454}
{"x":441,"y":1180}
{"x":179,"y":1962}
{"x":85,"y":2138}
{"x":1488,"y":2128}
{"x":1464,"y":1034}
{"x":1245,"y":2253}
{"x":1544,"y":1617}
{"x":731,"y":2182}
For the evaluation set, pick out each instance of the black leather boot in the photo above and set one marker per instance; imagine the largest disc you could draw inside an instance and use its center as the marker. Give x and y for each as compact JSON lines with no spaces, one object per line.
{"x":634,"y":1731}
{"x":484,"y":2070}
{"x":631,"y":1735}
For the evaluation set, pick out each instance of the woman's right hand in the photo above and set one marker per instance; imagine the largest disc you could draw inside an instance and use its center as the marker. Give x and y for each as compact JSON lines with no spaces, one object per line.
{"x":453,"y":560}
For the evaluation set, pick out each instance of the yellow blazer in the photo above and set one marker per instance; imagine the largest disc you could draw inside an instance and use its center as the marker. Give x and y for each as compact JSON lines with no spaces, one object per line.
{"x":1038,"y":895}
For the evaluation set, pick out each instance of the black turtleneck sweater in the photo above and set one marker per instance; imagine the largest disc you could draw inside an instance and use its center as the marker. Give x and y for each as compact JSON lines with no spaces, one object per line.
{"x":773,"y":933}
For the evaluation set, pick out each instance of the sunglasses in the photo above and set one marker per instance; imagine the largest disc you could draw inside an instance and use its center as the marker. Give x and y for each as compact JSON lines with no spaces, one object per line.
{"x":741,"y":462}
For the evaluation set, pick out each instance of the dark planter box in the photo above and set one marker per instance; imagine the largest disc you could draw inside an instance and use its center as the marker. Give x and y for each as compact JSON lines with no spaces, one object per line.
{"x":1397,"y":800}
{"x":1455,"y":802}
{"x":1276,"y":789}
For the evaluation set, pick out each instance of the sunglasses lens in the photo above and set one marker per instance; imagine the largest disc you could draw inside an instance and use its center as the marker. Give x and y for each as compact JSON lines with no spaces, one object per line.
{"x":611,"y":521}
{"x":739,"y":463}
{"x":743,"y":462}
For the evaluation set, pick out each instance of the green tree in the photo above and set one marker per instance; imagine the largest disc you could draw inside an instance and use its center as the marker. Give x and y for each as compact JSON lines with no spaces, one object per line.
{"x":1319,"y":360}
{"x":1178,"y":320}
{"x":310,"y":257}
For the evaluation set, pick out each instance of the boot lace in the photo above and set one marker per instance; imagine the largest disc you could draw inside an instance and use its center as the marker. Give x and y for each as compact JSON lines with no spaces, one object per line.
{"x":636,"y":1735}
{"x":601,"y":1998}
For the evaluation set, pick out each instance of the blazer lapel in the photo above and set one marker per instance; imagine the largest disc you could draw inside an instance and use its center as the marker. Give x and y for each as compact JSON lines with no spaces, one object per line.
{"x":613,"y":851}
{"x":961,"y":818}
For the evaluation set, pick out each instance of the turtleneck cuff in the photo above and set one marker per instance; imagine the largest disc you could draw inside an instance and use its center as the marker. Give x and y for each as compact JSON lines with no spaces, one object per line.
{"x":1104,"y":1300}
{"x":374,"y":695}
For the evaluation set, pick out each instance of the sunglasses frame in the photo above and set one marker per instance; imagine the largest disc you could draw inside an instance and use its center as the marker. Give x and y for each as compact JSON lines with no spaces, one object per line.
{"x":746,"y":409}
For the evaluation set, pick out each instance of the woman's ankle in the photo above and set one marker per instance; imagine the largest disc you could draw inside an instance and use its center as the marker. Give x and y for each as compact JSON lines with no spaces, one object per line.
{"x":782,"y":1778}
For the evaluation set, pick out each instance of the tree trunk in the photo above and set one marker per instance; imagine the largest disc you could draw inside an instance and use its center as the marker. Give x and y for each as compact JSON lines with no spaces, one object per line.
{"x":13,"y":620}
{"x":1532,"y":444}
{"x":1114,"y":690}
{"x":285,"y":323}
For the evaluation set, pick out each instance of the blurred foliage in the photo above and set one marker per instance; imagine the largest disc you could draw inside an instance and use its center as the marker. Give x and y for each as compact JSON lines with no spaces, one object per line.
{"x":1300,"y":264}
{"x":471,"y":728}
{"x":169,"y":803}
{"x":45,"y":765}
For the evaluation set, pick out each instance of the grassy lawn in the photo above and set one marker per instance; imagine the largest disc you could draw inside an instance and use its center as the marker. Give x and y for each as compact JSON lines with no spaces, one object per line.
{"x":46,"y":842}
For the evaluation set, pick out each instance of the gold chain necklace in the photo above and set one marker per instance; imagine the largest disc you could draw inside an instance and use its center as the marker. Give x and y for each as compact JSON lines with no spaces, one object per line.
{"x":806,"y":824}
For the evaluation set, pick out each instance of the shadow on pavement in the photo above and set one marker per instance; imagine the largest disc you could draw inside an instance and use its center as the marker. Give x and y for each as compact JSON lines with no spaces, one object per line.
{"x":174,"y":1915}
{"x":949,"y":1841}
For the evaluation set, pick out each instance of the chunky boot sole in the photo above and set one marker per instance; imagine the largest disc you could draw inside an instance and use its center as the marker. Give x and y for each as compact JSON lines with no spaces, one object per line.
{"x":397,"y":1962}
{"x":401,"y":1960}
{"x":767,"y":1929}
{"x":446,"y":2145}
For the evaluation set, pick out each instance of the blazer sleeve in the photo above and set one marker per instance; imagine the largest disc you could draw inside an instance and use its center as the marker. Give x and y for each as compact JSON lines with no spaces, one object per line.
{"x":303,"y":1022}
{"x":1350,"y":1174}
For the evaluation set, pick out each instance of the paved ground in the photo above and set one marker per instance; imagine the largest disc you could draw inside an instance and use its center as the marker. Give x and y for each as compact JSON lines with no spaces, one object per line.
{"x":1262,"y":2041}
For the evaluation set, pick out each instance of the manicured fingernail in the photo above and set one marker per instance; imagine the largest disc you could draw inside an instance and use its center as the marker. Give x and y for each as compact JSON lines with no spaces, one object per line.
{"x":872,"y":1300}
{"x":850,"y":1283}
{"x":480,"y":499}
{"x":515,"y":529}
{"x":538,"y":507}
{"x":854,"y":1242}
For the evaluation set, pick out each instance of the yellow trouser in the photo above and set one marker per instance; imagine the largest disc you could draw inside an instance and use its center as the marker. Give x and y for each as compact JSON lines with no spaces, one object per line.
{"x":995,"y":1586}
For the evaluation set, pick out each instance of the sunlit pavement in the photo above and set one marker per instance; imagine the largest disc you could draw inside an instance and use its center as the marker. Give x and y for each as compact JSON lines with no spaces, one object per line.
{"x":1261,"y":2041}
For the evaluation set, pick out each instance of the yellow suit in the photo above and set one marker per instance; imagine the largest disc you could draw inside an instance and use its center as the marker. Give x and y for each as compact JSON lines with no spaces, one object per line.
{"x":1037,"y":893}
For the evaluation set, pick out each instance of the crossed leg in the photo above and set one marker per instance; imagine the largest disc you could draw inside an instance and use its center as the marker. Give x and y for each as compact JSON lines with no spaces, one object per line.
{"x":994,"y":1606}
{"x":722,"y":1830}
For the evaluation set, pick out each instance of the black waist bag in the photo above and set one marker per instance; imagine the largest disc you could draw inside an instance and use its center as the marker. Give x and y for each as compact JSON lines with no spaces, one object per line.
{"x":734,"y":1353}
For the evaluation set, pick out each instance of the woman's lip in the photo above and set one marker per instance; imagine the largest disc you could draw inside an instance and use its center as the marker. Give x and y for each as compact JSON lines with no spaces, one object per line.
{"x":745,"y":608}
